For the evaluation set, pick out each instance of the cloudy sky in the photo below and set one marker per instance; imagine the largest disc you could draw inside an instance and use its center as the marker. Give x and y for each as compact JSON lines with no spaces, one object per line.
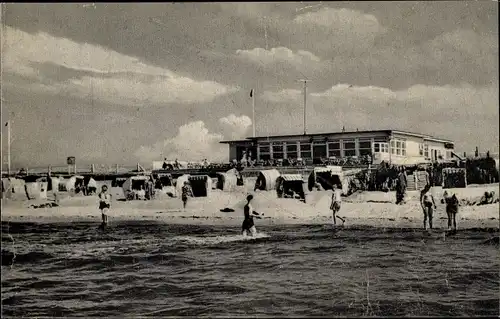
{"x":121,"y":83}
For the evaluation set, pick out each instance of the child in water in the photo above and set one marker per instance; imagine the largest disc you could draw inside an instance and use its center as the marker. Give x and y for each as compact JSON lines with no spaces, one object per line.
{"x":104,"y":204}
{"x":248,"y":225}
{"x":428,"y":205}
{"x":335,"y":205}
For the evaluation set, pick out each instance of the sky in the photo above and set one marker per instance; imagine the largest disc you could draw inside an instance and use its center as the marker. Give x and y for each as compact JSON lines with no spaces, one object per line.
{"x":126,"y":83}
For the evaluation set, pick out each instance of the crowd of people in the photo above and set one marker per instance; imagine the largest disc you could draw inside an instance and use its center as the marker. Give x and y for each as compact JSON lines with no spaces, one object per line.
{"x":204,"y":164}
{"x":349,"y":161}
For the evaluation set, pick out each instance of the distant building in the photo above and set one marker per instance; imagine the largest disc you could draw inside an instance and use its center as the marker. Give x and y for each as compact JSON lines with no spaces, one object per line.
{"x":397,"y":147}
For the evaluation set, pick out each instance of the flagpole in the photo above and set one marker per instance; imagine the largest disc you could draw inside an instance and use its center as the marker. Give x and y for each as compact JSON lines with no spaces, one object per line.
{"x":8,"y":146}
{"x":305,"y":105}
{"x":253,"y":111}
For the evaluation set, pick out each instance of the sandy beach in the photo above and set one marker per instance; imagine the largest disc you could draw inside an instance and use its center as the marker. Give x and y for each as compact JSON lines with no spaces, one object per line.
{"x":363,"y":208}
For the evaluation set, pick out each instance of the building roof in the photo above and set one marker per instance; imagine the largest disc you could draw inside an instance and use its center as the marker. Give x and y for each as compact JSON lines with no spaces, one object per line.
{"x":292,"y":177}
{"x":248,"y":140}
{"x":425,"y":136}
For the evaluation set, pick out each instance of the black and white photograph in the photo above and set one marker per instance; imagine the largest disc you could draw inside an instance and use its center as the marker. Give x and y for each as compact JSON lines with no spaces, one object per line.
{"x":250,"y":159}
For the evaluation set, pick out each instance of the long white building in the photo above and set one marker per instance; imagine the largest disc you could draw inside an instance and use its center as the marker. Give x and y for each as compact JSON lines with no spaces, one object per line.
{"x":394,"y":146}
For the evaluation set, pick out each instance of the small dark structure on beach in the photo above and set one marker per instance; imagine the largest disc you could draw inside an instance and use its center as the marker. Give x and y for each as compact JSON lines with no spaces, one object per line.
{"x":227,"y":181}
{"x":289,"y":185}
{"x":266,"y":180}
{"x":325,"y":177}
{"x":200,"y":184}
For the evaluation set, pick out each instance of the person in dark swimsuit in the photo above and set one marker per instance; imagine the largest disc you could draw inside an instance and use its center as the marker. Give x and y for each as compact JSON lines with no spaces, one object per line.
{"x":104,"y":204}
{"x":248,"y":225}
{"x":452,"y":204}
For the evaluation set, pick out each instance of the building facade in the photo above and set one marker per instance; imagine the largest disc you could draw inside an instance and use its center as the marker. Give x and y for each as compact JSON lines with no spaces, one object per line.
{"x":397,"y":147}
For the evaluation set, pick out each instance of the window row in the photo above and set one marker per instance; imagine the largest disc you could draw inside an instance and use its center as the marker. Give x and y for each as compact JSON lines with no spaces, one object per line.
{"x":398,"y":147}
{"x":423,"y":150}
{"x":318,"y":149}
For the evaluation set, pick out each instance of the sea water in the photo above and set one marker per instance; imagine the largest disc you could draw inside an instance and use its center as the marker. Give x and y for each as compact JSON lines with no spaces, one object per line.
{"x":152,"y":269}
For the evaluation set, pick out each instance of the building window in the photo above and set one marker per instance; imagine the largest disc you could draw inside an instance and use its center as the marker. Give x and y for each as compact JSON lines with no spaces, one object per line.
{"x":381,"y":147}
{"x":421,"y":149}
{"x":365,"y":147}
{"x":264,"y":150}
{"x":398,"y":147}
{"x":319,"y":151}
{"x":349,"y":148}
{"x":305,"y":150}
{"x":278,"y":150}
{"x":426,"y":151}
{"x":334,"y":149}
{"x":291,"y":150}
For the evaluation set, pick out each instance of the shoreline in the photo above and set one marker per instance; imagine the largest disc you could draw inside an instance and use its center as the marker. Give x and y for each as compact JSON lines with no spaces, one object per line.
{"x":374,"y":209}
{"x":380,"y":216}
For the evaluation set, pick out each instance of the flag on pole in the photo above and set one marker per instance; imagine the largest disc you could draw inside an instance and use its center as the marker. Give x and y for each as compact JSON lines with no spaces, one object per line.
{"x":251,"y":93}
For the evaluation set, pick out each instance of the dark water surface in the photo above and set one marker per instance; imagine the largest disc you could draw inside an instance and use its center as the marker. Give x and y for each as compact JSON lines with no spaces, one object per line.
{"x":148,"y":269}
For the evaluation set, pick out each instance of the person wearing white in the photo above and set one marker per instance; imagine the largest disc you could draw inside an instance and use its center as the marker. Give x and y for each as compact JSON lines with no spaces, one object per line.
{"x":104,"y":204}
{"x":336,"y":204}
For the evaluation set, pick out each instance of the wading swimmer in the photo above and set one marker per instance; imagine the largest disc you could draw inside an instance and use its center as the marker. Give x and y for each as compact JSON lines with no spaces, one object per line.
{"x":335,"y":205}
{"x":428,"y":205}
{"x":248,"y":225}
{"x":186,"y":192}
{"x":451,"y":209}
{"x":104,"y":205}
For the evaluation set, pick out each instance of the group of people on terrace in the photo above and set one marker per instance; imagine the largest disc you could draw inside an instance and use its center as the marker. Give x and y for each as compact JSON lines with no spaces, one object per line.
{"x":351,"y":161}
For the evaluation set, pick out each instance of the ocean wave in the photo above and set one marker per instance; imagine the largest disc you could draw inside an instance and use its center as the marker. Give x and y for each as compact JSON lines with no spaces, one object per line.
{"x":151,"y":269}
{"x":9,"y":257}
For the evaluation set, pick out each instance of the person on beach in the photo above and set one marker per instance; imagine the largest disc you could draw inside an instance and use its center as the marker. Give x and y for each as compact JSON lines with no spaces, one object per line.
{"x":336,"y":204}
{"x":104,"y":204}
{"x":186,"y":192}
{"x":428,"y":205}
{"x":451,"y":209}
{"x":248,"y":226}
{"x":401,"y":183}
{"x":487,"y":198}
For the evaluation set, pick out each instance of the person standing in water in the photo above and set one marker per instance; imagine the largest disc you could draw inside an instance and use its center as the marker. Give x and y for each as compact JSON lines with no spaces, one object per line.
{"x":336,"y":204}
{"x":186,"y":192}
{"x":428,"y":205}
{"x":104,"y":204}
{"x":248,"y":225}
{"x":451,"y":209}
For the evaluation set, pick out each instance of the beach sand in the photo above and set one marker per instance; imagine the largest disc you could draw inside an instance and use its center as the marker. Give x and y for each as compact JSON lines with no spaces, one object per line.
{"x":363,"y":208}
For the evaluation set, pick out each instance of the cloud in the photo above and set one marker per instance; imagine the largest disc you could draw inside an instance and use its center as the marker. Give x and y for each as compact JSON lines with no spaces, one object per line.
{"x":299,"y":58}
{"x":195,"y":142}
{"x":338,"y":31}
{"x":346,"y":90}
{"x":116,"y":78}
{"x":341,"y":19}
{"x":467,"y":42}
{"x":235,"y":127}
{"x":286,"y":95}
{"x":454,"y":112}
